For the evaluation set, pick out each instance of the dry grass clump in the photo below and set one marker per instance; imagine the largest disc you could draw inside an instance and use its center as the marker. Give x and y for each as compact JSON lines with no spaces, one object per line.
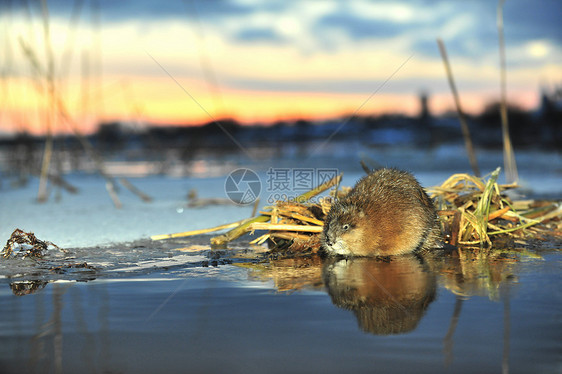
{"x":476,"y":212}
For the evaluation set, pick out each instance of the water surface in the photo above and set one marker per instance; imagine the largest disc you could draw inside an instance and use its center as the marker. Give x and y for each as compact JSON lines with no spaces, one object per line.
{"x":178,"y":306}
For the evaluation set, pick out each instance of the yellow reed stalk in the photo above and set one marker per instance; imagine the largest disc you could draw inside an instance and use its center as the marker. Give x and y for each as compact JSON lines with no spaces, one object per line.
{"x":260,"y":240}
{"x":197,"y":232}
{"x":462,"y":118}
{"x":237,"y":231}
{"x":508,"y":154}
{"x":297,"y":216}
{"x":281,"y":227}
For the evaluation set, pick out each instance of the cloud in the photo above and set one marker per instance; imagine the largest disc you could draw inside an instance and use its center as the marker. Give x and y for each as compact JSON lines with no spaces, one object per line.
{"x":359,"y":27}
{"x":525,"y":20}
{"x":259,"y":34}
{"x":124,"y":10}
{"x":469,"y":27}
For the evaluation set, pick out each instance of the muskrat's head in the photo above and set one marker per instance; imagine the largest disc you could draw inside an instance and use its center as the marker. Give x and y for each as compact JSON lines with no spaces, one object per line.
{"x":343,"y":230}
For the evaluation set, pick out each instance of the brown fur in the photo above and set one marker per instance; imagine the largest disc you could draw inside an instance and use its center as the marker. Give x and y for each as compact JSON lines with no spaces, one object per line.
{"x":387,"y":296}
{"x":386,"y":213}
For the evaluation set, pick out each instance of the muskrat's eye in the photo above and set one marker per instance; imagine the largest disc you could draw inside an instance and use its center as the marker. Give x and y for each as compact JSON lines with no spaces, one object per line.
{"x":345,"y":227}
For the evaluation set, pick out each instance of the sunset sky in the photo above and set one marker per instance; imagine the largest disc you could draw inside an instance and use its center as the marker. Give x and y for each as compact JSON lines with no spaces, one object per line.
{"x":175,"y":62}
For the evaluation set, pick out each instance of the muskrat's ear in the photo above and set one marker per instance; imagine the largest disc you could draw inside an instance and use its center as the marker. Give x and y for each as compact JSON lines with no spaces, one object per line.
{"x":361,"y":213}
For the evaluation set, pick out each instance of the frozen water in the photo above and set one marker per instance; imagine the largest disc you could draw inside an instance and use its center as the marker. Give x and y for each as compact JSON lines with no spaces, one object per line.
{"x":89,"y":218}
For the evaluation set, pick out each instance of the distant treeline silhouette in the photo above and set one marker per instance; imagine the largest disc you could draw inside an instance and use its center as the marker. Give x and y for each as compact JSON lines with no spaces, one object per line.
{"x":539,"y":128}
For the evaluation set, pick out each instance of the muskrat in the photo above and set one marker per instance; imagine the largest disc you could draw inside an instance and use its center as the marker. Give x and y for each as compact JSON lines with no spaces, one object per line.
{"x":386,"y":213}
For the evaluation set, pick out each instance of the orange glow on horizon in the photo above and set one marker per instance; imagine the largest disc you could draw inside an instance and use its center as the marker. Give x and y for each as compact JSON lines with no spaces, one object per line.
{"x":160,"y":102}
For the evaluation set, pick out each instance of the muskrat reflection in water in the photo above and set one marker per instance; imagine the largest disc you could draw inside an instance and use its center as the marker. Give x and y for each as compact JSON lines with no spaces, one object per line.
{"x":386,"y":213}
{"x":388,"y":296}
